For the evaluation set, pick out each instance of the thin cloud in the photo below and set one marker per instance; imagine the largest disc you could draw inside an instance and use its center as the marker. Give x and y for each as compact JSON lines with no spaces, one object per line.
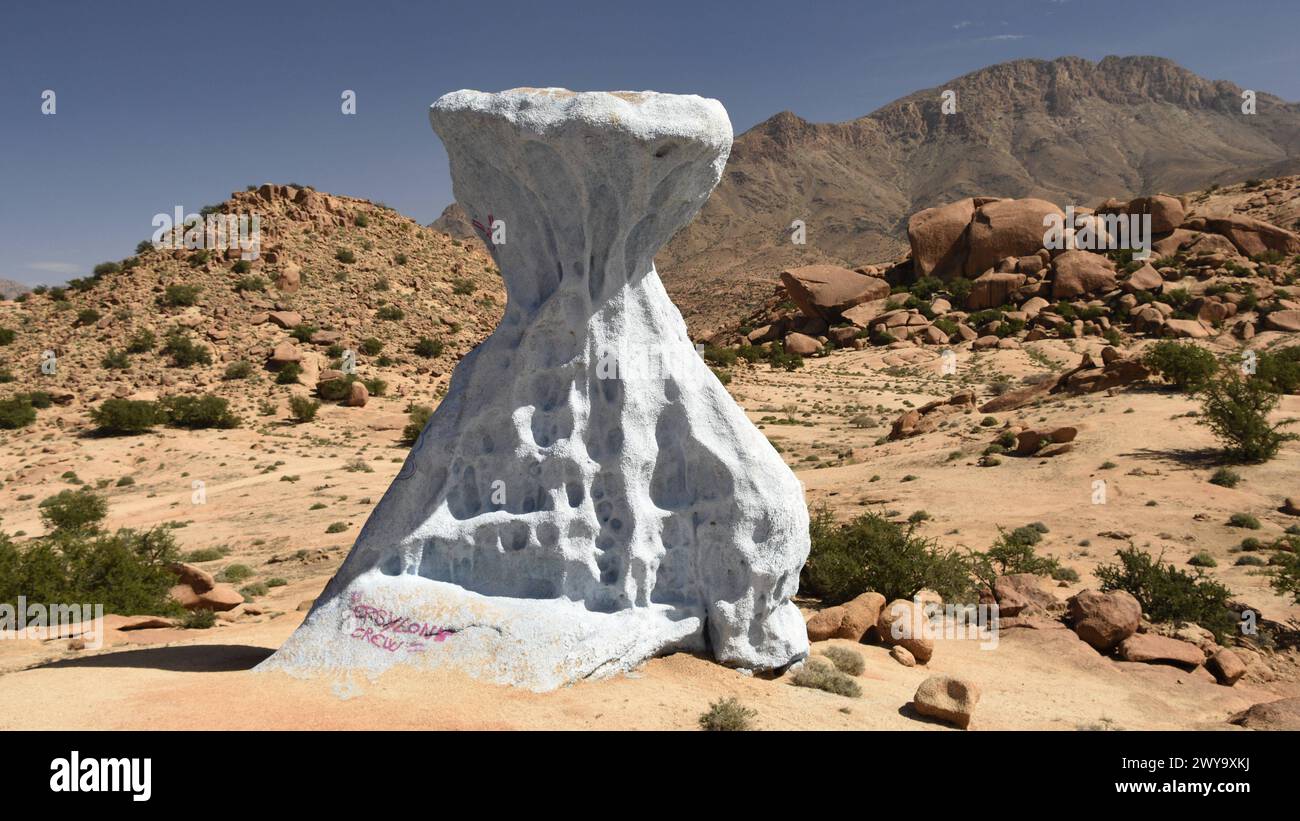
{"x":963,"y":24}
{"x":55,"y":267}
{"x":1005,"y":37}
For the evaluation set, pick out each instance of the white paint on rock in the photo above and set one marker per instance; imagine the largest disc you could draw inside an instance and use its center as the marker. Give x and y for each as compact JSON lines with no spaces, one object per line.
{"x":643,"y":512}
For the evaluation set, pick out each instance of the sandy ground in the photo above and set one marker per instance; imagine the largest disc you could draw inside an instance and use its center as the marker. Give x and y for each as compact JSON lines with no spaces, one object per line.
{"x":261,"y":483}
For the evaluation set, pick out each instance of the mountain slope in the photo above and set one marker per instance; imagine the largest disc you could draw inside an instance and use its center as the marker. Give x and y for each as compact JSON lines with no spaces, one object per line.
{"x":1066,"y":130}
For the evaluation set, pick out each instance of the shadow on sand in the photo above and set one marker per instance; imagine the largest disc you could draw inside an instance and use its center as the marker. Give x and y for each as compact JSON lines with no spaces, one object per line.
{"x":193,"y":658}
{"x":1186,"y":458}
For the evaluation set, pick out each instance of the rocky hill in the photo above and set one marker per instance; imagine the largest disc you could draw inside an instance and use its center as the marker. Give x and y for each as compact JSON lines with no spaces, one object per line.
{"x":332,"y":273}
{"x":978,"y":278}
{"x":12,"y":290}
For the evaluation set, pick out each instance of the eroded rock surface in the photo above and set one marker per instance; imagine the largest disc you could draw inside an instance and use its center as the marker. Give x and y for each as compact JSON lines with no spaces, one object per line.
{"x":587,"y":495}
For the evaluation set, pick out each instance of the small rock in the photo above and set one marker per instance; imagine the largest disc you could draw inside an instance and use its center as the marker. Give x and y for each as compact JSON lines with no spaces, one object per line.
{"x":901,"y":655}
{"x":947,"y":698}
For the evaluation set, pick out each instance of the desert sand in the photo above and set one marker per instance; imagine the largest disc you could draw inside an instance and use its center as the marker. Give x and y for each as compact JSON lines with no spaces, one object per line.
{"x":1043,"y":678}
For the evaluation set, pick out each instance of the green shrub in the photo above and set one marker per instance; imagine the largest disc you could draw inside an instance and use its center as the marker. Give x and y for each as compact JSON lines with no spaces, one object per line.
{"x":1185,"y":366}
{"x":1236,"y":408}
{"x":429,"y":348}
{"x":336,"y":527}
{"x":243,"y":266}
{"x":721,"y":357}
{"x":181,"y":296}
{"x":1168,"y":594}
{"x":727,"y":714}
{"x":40,"y":399}
{"x":1065,"y":574}
{"x":375,"y":386}
{"x":16,"y":412}
{"x":204,"y":554}
{"x":7,"y":336}
{"x":778,"y":357}
{"x":371,"y":346}
{"x":185,"y":352}
{"x":302,"y":408}
{"x":845,"y":660}
{"x":419,"y":416}
{"x":126,"y":571}
{"x":463,"y":287}
{"x":238,"y":370}
{"x":1011,"y":553}
{"x":1245,"y":520}
{"x":115,"y":360}
{"x":276,"y":581}
{"x":389,"y":312}
{"x":1203,"y":559}
{"x":125,"y":481}
{"x":88,"y":316}
{"x":288,"y":374}
{"x":202,"y":619}
{"x":74,"y":510}
{"x":1225,"y":477}
{"x":303,"y":331}
{"x":821,"y":675}
{"x":142,"y":342}
{"x":1251,"y":561}
{"x":871,"y":553}
{"x":254,"y":284}
{"x":1286,"y":578}
{"x":336,"y":390}
{"x":197,"y":412}
{"x":345,"y":256}
{"x":254,"y":590}
{"x":235,"y":573}
{"x":126,"y":417}
{"x":1280,"y":370}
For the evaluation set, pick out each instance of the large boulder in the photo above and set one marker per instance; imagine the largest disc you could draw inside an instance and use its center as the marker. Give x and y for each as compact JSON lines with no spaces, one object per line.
{"x":1288,"y":321}
{"x":802,"y":344}
{"x":285,"y":319}
{"x":938,"y":239}
{"x":904,"y":623}
{"x":289,"y":279}
{"x":1253,"y":236}
{"x":947,"y":698}
{"x":1187,"y":328}
{"x":1103,"y":620}
{"x":861,"y":614}
{"x":826,"y":291}
{"x":1022,"y":594}
{"x":1149,"y":648}
{"x":825,"y":623}
{"x":1145,"y":278}
{"x":218,"y":598}
{"x":283,"y":354}
{"x":993,"y":289}
{"x":1081,"y":272}
{"x":1166,"y":212}
{"x":1283,"y":714}
{"x":1226,"y":666}
{"x":1007,"y":228}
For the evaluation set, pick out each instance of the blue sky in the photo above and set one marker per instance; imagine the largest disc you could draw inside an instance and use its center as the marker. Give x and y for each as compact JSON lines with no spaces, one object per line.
{"x":162,"y":104}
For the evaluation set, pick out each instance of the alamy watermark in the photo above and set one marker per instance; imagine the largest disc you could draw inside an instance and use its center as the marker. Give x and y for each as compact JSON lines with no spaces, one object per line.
{"x":1098,"y":232}
{"x":212,"y":232}
{"x":41,"y":622}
